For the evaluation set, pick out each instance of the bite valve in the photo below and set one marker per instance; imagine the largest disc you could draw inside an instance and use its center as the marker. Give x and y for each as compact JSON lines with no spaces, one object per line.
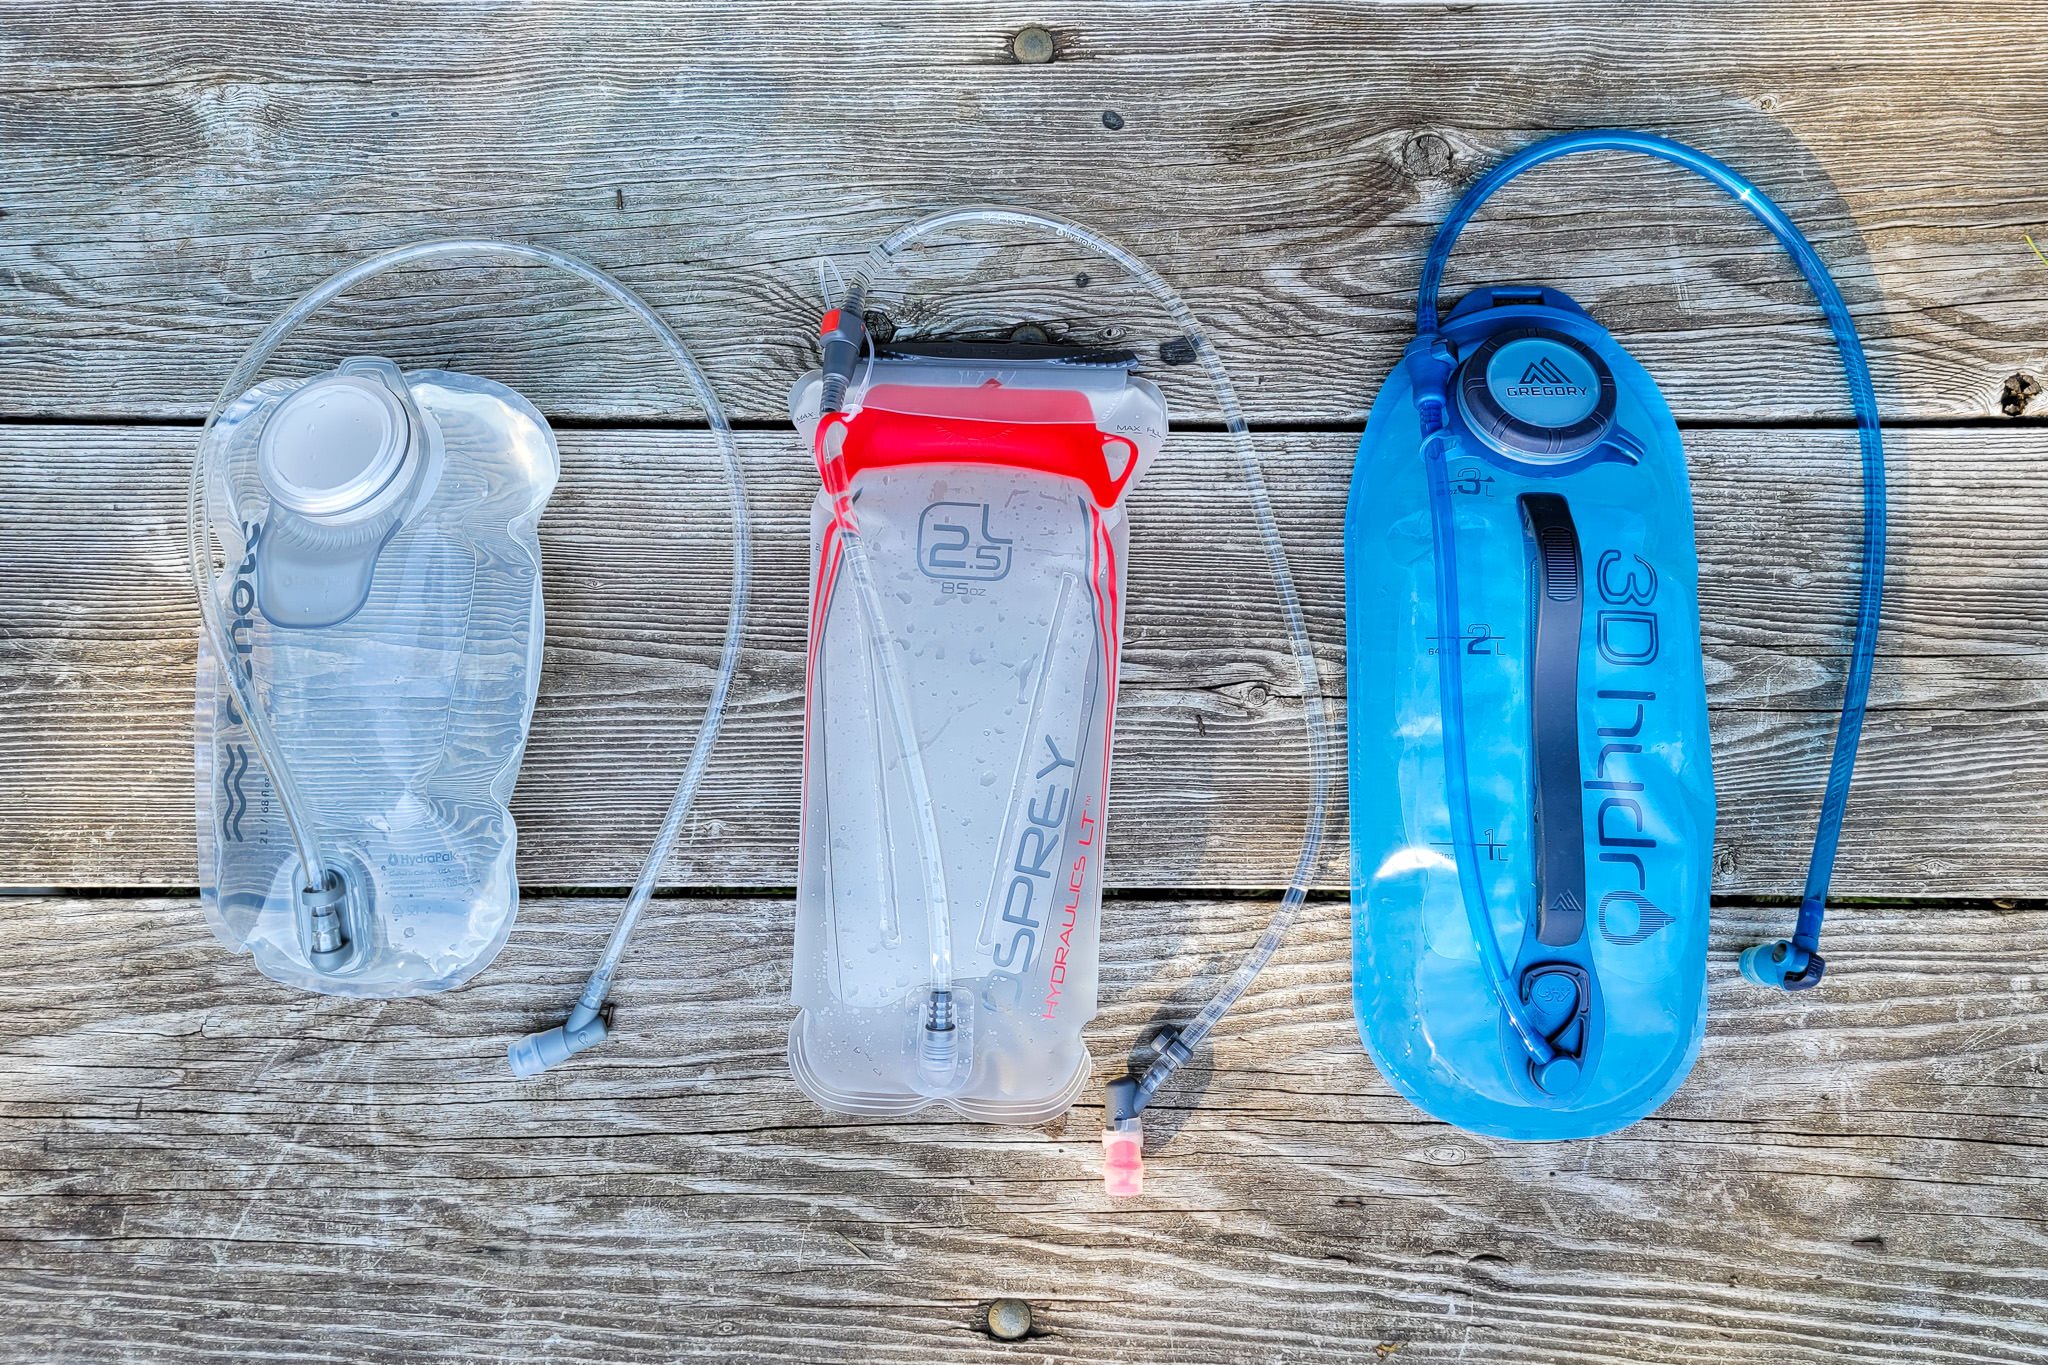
{"x":536,"y":1052}
{"x":1782,"y":966}
{"x":1123,"y":1158}
{"x":1123,"y":1132}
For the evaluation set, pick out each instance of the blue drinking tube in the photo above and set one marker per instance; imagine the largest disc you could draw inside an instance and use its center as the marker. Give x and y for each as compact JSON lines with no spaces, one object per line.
{"x":1787,"y":964}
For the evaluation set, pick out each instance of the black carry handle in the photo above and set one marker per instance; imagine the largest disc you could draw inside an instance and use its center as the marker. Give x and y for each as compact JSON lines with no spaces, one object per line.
{"x":1558,"y":596}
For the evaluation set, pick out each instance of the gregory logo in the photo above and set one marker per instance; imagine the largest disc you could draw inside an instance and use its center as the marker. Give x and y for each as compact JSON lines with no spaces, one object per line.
{"x":1543,"y":379}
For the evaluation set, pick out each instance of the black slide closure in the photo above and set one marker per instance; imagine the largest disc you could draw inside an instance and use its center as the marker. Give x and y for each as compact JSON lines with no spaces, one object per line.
{"x":1558,"y":597}
{"x":1003,"y":352}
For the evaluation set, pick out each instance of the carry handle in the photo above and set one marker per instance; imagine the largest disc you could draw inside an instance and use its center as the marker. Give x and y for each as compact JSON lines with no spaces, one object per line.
{"x":1557,"y":596}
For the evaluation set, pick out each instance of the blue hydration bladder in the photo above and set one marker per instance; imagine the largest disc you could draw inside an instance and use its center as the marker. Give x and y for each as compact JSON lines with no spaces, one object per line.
{"x":1532,"y":798}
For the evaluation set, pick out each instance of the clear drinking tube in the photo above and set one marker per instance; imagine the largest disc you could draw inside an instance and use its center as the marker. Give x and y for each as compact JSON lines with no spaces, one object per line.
{"x":938,"y":1055}
{"x":1130,"y":1095}
{"x":314,"y":871}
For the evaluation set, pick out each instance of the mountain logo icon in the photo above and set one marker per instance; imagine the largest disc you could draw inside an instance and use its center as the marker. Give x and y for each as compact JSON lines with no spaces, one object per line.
{"x":1544,"y":371}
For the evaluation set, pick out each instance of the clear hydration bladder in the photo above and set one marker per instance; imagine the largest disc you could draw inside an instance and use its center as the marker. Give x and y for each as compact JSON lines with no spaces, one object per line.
{"x":382,"y":576}
{"x":1532,"y":801}
{"x":989,"y":484}
{"x":966,"y":618}
{"x":363,"y":543}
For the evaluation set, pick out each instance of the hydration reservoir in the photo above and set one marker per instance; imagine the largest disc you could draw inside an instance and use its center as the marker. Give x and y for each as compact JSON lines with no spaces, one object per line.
{"x":988,"y":483}
{"x":382,"y":576}
{"x":1585,"y":727}
{"x":966,"y":632}
{"x":363,"y":544}
{"x":1532,"y":799}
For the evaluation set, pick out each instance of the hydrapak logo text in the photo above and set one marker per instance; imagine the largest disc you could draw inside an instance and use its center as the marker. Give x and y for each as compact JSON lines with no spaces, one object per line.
{"x":235,"y":759}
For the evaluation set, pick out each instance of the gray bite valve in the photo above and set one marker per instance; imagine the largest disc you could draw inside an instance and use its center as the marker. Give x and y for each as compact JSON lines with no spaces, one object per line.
{"x":536,"y":1052}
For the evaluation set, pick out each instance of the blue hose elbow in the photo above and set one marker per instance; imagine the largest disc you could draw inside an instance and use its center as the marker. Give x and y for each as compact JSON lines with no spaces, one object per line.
{"x":1782,"y":966}
{"x":1429,"y":363}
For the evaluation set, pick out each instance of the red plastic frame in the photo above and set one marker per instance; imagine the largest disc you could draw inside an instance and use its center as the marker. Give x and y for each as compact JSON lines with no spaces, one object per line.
{"x":986,"y":425}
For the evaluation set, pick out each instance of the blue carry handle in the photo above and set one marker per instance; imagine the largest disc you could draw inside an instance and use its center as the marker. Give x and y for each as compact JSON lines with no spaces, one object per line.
{"x":1788,"y":964}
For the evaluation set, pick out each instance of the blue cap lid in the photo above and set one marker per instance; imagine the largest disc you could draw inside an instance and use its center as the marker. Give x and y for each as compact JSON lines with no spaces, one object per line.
{"x":1536,"y":395}
{"x":1543,"y":381}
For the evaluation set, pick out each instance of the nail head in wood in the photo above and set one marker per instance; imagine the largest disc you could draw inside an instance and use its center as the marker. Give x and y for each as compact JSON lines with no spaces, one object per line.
{"x":1009,"y":1319}
{"x":1032,"y":45}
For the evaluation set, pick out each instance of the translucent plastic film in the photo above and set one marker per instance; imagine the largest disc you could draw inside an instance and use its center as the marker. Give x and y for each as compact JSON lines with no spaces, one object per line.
{"x":362,"y":544}
{"x":989,"y":634}
{"x":839,"y":373}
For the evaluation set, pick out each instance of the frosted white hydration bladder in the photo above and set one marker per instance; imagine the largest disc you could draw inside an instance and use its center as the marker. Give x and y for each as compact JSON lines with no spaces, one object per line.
{"x":989,"y":484}
{"x":966,"y":622}
{"x":363,"y":547}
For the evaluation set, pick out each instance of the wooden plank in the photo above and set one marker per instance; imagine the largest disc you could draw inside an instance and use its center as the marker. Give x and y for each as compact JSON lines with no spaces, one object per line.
{"x":198,"y":1165}
{"x":177,"y":175}
{"x":96,"y":656}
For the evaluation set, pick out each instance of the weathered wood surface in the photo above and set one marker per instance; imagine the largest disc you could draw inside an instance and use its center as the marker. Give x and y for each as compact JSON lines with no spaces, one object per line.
{"x":196,"y":1164}
{"x":96,"y":653}
{"x":176,"y":177}
{"x":204,"y":1166}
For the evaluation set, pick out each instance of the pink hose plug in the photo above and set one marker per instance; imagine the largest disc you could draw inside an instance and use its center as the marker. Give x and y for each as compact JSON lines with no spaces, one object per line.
{"x":1123,"y":1159}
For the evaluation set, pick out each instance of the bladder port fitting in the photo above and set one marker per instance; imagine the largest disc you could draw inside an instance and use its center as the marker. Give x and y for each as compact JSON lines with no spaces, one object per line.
{"x":327,"y":941}
{"x":939,"y":1046}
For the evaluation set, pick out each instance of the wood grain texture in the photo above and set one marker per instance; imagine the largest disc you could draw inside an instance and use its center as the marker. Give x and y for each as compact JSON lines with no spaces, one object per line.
{"x":96,"y":658}
{"x":198,"y":1165}
{"x":176,"y":177}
